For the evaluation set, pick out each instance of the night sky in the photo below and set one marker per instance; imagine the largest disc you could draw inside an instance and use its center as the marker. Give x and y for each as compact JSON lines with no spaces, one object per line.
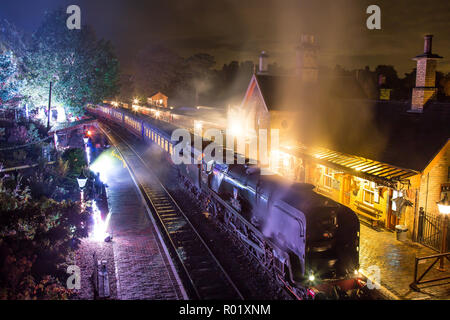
{"x":239,"y":30}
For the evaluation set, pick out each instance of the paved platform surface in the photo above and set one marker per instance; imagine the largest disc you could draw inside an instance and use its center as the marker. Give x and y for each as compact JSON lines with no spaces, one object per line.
{"x":143,"y":270}
{"x":395,"y":261}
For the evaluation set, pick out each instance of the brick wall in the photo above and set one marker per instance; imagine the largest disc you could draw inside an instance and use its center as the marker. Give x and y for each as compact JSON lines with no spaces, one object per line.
{"x":432,"y":178}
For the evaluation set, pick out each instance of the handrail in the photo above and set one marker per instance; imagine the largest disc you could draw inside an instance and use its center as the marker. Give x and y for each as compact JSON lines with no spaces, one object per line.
{"x":417,"y":280}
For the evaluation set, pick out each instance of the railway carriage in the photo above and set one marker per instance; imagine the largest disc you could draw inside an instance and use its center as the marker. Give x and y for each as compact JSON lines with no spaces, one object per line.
{"x":308,"y":242}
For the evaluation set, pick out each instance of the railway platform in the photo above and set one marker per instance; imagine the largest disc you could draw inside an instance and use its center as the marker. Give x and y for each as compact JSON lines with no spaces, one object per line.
{"x":395,"y":261}
{"x":143,"y":268}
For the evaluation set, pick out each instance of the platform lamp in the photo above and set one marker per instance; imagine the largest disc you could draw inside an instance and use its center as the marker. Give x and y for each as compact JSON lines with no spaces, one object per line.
{"x":444,"y":210}
{"x":82,"y":180}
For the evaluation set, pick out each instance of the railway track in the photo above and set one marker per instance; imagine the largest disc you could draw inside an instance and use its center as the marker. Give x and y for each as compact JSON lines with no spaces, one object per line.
{"x":204,"y":276}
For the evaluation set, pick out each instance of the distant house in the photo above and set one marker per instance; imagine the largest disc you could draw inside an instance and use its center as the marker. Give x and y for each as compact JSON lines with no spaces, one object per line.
{"x":158,"y":99}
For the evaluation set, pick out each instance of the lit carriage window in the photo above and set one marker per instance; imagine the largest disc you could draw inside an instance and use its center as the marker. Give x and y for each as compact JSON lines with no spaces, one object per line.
{"x":170,"y":148}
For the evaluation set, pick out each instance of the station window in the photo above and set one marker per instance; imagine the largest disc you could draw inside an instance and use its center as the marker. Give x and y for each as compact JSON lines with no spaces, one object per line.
{"x":328,"y":177}
{"x":395,"y":194}
{"x":370,"y":195}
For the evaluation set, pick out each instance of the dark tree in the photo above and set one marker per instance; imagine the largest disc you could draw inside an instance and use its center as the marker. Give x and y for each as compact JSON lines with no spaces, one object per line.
{"x":82,"y":68}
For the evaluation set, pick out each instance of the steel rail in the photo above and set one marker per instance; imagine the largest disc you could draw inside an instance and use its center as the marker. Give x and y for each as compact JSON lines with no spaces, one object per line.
{"x":207,"y":277}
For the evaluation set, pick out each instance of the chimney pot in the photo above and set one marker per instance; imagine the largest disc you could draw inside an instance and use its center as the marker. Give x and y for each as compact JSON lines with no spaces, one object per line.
{"x":427,"y":44}
{"x":263,"y":65}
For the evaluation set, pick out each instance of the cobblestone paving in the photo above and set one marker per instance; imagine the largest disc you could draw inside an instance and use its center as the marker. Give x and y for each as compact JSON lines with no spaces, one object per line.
{"x":84,"y":260}
{"x":396,"y":262}
{"x":141,"y":265}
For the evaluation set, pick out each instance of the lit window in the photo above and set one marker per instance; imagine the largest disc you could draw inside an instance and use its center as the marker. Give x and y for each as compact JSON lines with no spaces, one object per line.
{"x":328,"y":177}
{"x":369,"y":193}
{"x":395,"y":194}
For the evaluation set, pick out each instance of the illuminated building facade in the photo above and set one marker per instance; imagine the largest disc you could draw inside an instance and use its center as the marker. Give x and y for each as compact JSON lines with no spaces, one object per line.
{"x":158,"y":99}
{"x":376,"y":157}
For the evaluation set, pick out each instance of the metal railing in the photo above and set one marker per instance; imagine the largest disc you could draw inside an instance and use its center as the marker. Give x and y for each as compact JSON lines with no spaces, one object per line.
{"x":429,"y":231}
{"x":418,"y":279}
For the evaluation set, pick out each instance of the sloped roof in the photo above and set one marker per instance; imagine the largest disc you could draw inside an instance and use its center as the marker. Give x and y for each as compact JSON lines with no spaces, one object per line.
{"x":157,"y":92}
{"x":334,"y":114}
{"x":281,"y":92}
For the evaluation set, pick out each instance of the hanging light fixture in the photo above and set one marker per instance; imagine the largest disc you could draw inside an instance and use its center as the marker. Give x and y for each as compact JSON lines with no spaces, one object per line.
{"x":444,"y":205}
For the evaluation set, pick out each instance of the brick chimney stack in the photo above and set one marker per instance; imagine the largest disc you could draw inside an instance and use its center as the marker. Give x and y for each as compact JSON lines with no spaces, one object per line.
{"x":425,"y":89}
{"x":306,"y":54}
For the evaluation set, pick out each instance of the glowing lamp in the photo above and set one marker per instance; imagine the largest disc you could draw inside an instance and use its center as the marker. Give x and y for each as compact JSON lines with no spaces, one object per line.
{"x":82,"y":180}
{"x":311,"y":277}
{"x":136,"y":101}
{"x":198,"y":125}
{"x":444,"y":205}
{"x":89,"y":133}
{"x":157,"y":113}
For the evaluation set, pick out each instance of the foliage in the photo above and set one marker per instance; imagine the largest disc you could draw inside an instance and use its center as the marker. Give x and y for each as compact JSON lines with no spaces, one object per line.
{"x":191,"y":80}
{"x":76,"y":160}
{"x":83,"y":69}
{"x":9,"y":82}
{"x":36,"y":236}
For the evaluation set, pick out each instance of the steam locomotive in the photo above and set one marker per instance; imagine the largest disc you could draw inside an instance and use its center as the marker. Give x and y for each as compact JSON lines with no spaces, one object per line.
{"x":309,"y":243}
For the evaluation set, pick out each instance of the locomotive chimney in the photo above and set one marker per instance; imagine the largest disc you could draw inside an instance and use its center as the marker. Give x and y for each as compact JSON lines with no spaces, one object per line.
{"x":263,"y":64}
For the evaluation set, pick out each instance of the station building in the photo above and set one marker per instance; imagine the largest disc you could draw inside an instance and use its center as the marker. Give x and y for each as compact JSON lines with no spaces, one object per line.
{"x":158,"y":99}
{"x":389,"y":161}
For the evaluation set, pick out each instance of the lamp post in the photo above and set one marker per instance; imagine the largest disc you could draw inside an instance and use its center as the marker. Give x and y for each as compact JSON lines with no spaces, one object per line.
{"x":444,"y":209}
{"x":82,"y":180}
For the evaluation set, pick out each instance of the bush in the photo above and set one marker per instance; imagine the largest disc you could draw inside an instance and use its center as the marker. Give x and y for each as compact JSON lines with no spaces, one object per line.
{"x":36,"y":237}
{"x":76,"y":159}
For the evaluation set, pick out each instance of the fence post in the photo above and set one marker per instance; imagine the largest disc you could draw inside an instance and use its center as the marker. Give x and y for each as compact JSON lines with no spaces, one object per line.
{"x":420,"y":225}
